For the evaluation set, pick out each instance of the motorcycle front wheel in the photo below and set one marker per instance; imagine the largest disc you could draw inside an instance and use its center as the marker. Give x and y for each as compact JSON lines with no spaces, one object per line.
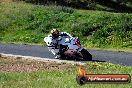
{"x":86,"y":55}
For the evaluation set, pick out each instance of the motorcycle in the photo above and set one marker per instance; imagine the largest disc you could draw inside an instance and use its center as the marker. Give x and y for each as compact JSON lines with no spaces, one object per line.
{"x":68,"y":48}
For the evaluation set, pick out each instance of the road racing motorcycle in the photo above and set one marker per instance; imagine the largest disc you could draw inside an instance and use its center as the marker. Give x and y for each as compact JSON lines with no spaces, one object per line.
{"x":69,"y":48}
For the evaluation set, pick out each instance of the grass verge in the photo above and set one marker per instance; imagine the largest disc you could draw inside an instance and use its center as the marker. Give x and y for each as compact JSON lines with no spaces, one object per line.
{"x":27,"y":23}
{"x":18,"y":73}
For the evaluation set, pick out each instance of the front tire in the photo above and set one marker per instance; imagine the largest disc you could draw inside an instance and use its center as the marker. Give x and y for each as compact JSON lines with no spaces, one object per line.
{"x":86,"y":55}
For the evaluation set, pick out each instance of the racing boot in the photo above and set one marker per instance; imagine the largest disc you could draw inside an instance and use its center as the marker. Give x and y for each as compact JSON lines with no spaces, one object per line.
{"x":57,"y":56}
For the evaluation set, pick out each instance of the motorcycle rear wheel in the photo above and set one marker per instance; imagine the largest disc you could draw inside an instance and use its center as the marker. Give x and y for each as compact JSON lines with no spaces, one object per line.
{"x":86,"y":55}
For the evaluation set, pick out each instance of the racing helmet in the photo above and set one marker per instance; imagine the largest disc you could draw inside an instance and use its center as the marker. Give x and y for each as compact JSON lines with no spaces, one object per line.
{"x":55,"y":33}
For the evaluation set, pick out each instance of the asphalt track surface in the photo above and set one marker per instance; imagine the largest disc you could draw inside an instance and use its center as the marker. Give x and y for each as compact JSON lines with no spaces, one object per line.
{"x":116,"y":57}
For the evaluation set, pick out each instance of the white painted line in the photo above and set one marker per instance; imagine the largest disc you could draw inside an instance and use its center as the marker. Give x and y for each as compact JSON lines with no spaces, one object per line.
{"x":42,"y":59}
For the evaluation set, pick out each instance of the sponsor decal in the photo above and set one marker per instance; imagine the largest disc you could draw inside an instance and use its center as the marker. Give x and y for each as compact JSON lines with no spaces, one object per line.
{"x":83,"y":78}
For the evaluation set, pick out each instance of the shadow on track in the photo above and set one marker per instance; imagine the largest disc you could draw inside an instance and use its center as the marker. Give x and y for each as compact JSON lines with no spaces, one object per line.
{"x":76,"y":59}
{"x":98,"y":61}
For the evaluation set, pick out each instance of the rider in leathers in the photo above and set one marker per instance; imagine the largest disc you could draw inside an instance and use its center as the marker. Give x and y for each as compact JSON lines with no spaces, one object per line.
{"x":55,"y":34}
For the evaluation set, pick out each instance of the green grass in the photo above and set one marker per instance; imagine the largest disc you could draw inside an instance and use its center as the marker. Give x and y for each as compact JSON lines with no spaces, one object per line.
{"x":62,"y":78}
{"x":27,"y":23}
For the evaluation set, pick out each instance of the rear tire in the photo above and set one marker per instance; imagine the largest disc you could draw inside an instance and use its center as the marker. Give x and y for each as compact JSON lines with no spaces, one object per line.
{"x":86,"y":55}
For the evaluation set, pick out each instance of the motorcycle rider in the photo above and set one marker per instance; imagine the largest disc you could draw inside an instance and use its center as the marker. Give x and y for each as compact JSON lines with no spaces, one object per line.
{"x":56,"y":34}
